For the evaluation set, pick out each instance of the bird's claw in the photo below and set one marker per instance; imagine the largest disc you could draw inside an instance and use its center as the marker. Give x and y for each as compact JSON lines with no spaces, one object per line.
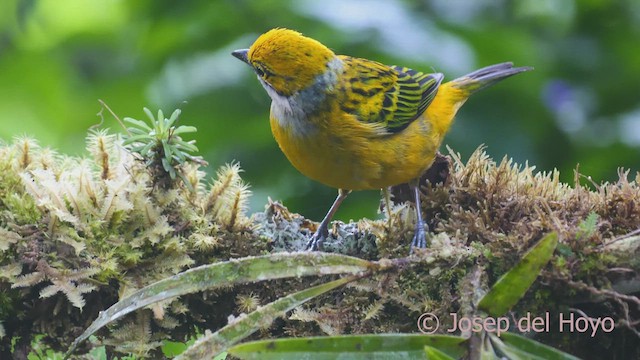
{"x":315,"y":243}
{"x":419,"y":239}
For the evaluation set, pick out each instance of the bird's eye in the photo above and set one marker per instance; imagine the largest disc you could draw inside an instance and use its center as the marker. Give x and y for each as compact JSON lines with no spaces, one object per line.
{"x":259,"y":71}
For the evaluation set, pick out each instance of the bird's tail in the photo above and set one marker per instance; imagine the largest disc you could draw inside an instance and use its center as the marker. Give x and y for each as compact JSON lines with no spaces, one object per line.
{"x":451,"y":95}
{"x":486,"y":76}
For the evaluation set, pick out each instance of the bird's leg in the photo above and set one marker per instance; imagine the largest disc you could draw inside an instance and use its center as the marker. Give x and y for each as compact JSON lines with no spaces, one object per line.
{"x":387,"y":204}
{"x":420,"y":237}
{"x":387,"y":201}
{"x":323,"y":230}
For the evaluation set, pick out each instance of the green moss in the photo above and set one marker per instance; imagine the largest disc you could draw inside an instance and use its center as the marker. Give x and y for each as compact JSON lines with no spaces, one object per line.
{"x":80,"y":233}
{"x":87,"y":228}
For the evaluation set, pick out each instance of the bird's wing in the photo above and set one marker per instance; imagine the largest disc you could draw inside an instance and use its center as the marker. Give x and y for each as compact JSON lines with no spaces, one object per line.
{"x":388,"y":96}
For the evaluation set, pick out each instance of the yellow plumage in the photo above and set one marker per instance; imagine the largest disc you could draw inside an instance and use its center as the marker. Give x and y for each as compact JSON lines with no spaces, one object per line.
{"x":348,"y":154}
{"x":356,"y":124}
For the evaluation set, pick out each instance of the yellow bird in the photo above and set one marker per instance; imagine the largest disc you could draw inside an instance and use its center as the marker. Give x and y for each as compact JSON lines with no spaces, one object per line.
{"x":356,"y":124}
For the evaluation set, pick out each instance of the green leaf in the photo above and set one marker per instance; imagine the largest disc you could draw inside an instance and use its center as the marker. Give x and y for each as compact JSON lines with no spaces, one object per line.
{"x":174,"y":116}
{"x":519,"y":347}
{"x":168,"y":168}
{"x":432,"y":353}
{"x":510,"y":288}
{"x":173,"y":348}
{"x":166,"y":148}
{"x":138,"y":131}
{"x":184,"y":129}
{"x":188,"y":146}
{"x":160,"y":122}
{"x":149,"y":114}
{"x":221,"y":356}
{"x":134,"y":138}
{"x":374,"y":346}
{"x":138,"y":123}
{"x":244,"y":270}
{"x":179,"y":156}
{"x":212,"y":344}
{"x":146,"y":149}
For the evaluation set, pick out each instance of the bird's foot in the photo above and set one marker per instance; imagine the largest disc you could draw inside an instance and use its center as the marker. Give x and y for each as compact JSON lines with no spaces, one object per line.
{"x":419,"y":239}
{"x":315,"y":243}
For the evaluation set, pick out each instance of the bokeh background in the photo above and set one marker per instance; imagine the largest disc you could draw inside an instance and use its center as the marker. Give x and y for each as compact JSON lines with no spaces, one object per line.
{"x":580,"y":105}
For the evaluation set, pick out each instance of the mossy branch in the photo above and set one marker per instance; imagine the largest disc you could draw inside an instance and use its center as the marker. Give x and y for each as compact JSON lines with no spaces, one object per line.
{"x":78,"y":234}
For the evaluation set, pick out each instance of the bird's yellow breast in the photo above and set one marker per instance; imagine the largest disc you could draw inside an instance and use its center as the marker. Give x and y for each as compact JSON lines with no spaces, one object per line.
{"x":334,"y":148}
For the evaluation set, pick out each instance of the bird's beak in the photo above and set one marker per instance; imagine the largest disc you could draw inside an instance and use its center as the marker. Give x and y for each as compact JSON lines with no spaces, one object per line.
{"x":242,"y":55}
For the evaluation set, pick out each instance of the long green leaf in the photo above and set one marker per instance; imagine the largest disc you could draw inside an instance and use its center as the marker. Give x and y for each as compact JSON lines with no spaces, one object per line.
{"x":186,"y":145}
{"x":160,"y":122}
{"x":374,"y":346}
{"x":166,"y":148}
{"x":172,"y":119}
{"x":138,"y":131}
{"x":512,"y":286}
{"x":144,"y":151}
{"x":134,"y":138}
{"x":178,"y":156}
{"x":212,"y":344}
{"x":138,"y":123}
{"x":519,"y":347}
{"x":249,"y":269}
{"x":432,"y":353}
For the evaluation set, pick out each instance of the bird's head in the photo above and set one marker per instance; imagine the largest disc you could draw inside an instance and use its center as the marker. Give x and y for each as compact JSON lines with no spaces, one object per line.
{"x":286,"y":61}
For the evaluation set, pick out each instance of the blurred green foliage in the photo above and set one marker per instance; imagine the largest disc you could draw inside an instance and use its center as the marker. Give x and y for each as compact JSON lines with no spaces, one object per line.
{"x":580,"y":105}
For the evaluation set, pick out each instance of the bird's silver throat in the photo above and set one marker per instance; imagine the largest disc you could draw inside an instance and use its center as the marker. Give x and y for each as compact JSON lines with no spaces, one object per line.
{"x":292,"y":112}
